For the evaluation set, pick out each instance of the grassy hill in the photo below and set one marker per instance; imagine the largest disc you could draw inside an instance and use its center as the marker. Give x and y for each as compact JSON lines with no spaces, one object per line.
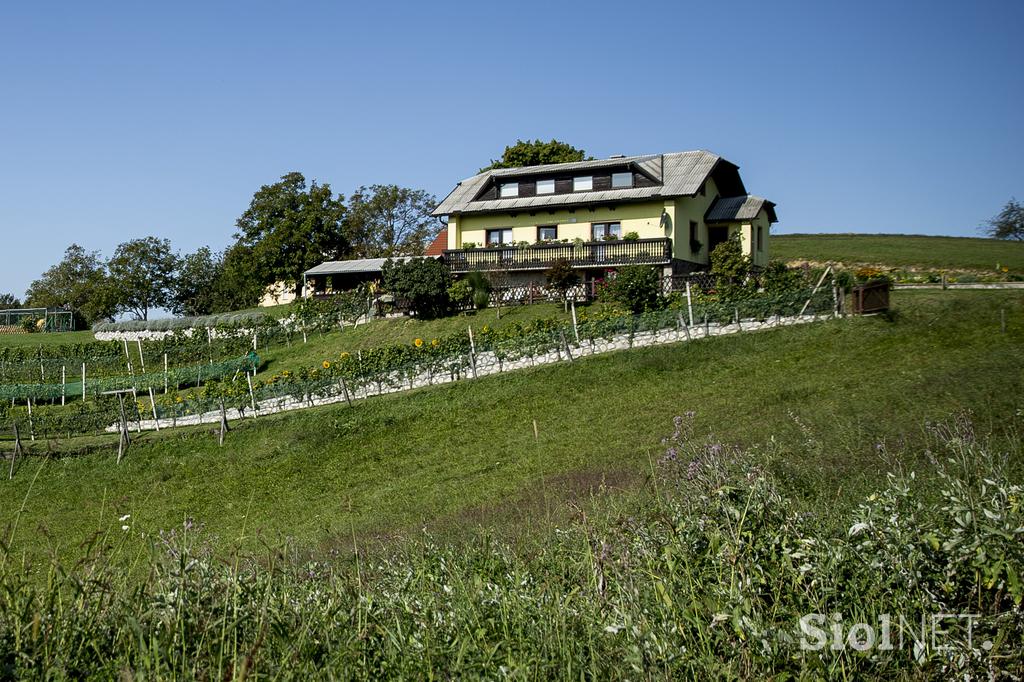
{"x":898,"y":250}
{"x":451,"y":456}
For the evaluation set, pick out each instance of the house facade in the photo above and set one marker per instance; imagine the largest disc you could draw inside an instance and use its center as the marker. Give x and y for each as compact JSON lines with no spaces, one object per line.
{"x":667,"y":210}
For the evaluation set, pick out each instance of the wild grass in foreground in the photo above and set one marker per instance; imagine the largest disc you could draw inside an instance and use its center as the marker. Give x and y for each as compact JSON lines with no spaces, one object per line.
{"x":707,"y":573}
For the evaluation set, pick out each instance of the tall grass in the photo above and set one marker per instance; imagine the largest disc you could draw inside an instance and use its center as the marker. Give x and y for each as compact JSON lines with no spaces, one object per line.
{"x":705,"y":573}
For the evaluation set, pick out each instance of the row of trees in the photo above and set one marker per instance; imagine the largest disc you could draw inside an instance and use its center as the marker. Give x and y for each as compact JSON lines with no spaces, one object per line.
{"x":289,"y":227}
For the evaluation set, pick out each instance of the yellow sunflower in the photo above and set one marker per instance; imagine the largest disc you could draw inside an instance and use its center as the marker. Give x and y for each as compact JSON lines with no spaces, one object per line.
{"x":418,"y":343}
{"x":327,"y":364}
{"x":344,"y":356}
{"x":435,"y":343}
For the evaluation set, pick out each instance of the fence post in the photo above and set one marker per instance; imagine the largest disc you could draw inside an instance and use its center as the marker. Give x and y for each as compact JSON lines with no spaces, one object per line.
{"x":223,"y":423}
{"x":83,"y":382}
{"x":165,"y":373}
{"x":31,"y":424}
{"x":472,"y":352}
{"x":566,"y":344}
{"x":63,"y":384}
{"x":123,"y":440}
{"x":128,"y":358}
{"x":575,"y":329}
{"x":344,"y":388}
{"x":142,"y":360}
{"x":689,"y":302}
{"x":17,"y":450}
{"x":252,"y":394}
{"x":152,"y":403}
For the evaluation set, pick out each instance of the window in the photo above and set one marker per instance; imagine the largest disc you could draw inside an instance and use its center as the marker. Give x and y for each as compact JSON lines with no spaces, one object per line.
{"x":509,"y":189}
{"x":583,"y":183}
{"x":760,"y":238}
{"x":502,"y":235}
{"x":622,"y":179}
{"x":547,"y":233}
{"x":545,"y":187}
{"x":600,"y":231}
{"x":693,"y":230}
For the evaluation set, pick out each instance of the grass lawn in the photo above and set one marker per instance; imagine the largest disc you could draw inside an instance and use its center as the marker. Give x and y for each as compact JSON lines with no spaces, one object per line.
{"x":320,"y":347}
{"x":898,"y":250}
{"x":40,"y":339}
{"x":466,"y":453}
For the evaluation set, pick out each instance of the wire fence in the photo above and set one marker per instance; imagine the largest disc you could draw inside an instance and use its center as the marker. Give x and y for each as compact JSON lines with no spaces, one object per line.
{"x":237,"y":393}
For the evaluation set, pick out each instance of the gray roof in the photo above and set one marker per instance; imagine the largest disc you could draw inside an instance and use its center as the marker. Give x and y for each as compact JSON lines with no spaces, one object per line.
{"x":680,"y":174}
{"x":744,"y":207}
{"x":339,"y":267}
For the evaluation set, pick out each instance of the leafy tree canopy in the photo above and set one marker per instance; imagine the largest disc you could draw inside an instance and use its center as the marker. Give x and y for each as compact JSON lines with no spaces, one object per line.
{"x":423,"y":282}
{"x":388,"y":220}
{"x":537,"y":153}
{"x":78,"y":283}
{"x":9,"y":301}
{"x":288,"y":228}
{"x":239,"y":285}
{"x":142,"y":276}
{"x":1009,"y":224}
{"x":196,"y":287}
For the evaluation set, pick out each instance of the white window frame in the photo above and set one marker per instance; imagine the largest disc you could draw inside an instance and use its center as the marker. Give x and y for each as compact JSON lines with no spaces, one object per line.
{"x":546,"y":184}
{"x":508,"y":190}
{"x":579,"y":180}
{"x":605,"y":230}
{"x":547,"y":227}
{"x":503,"y":231}
{"x":629,"y":180}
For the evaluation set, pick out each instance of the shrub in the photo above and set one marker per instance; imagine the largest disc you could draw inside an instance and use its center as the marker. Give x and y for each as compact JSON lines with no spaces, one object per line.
{"x":481,"y":288}
{"x":636,"y":288}
{"x":422,"y":283}
{"x":777,"y":278}
{"x":561,"y":276}
{"x":460,"y":293}
{"x":729,"y":265}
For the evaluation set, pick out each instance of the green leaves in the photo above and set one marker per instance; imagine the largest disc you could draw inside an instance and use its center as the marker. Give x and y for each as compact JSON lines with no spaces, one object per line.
{"x":288,"y":228}
{"x":536,"y":153}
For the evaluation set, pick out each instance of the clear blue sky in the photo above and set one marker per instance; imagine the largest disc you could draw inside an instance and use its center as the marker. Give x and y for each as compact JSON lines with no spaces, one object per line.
{"x":119,"y":120}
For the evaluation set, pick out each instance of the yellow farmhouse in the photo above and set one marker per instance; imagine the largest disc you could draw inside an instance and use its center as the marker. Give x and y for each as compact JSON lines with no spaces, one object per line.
{"x":667,"y":210}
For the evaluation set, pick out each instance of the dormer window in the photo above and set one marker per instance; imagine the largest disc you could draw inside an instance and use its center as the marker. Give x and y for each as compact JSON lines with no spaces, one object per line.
{"x":509,"y":189}
{"x":583,"y":183}
{"x":620,"y":180}
{"x":545,"y":187}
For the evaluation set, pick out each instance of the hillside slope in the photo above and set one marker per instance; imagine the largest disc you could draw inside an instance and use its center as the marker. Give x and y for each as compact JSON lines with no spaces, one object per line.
{"x":458,"y":453}
{"x":898,"y":250}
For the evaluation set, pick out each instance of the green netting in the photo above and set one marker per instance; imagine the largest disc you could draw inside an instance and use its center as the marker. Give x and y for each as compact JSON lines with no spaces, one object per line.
{"x":191,"y":376}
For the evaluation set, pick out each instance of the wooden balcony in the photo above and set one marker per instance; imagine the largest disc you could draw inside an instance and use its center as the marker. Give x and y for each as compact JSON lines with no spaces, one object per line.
{"x":541,"y":256}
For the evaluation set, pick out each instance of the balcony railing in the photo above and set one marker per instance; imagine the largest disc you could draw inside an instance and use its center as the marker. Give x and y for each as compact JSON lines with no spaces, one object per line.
{"x":541,"y":256}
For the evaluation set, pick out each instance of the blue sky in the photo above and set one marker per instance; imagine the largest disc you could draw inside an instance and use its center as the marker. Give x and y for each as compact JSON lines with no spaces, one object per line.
{"x":123,"y":120}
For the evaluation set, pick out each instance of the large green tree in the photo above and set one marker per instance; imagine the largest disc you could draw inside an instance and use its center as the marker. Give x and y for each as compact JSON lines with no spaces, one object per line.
{"x":536,"y":153}
{"x":78,"y":283}
{"x":388,"y":220}
{"x":9,"y":301}
{"x":1009,"y":224}
{"x":288,"y":229}
{"x":197,"y":284}
{"x":142,"y":276}
{"x":239,"y":285}
{"x":422,"y":283}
